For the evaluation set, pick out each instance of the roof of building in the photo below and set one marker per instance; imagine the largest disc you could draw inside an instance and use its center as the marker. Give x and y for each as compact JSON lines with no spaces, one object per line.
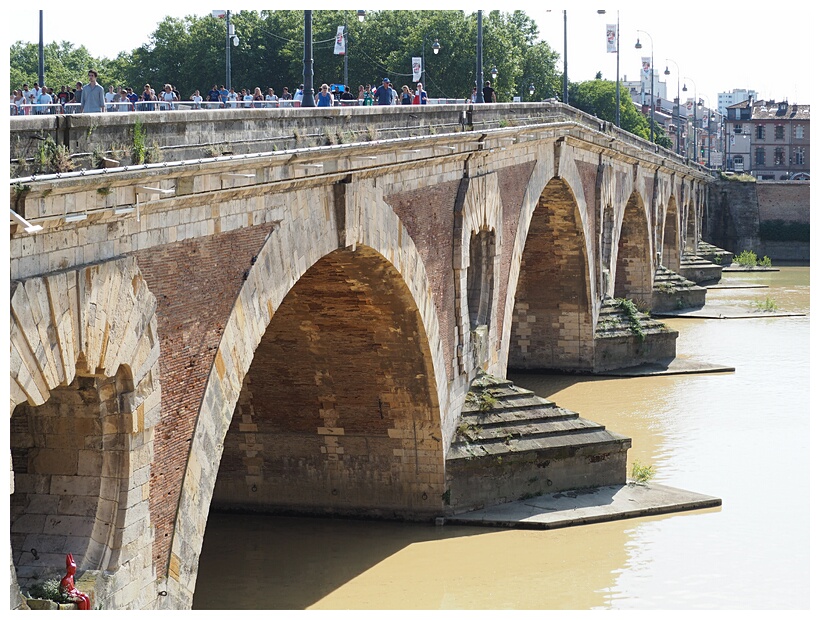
{"x":779,"y":110}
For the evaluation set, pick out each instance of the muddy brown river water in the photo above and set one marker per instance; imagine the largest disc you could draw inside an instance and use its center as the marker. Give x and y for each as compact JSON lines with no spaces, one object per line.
{"x":741,"y":436}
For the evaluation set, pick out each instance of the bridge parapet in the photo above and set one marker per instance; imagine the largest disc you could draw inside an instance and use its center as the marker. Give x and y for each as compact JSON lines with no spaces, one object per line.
{"x":182,"y":135}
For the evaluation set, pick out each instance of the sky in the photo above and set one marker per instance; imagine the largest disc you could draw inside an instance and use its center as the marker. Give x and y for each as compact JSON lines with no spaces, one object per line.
{"x":716,"y":49}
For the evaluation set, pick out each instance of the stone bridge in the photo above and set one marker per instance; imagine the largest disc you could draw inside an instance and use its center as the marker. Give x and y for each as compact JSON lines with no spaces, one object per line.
{"x":298,"y":330}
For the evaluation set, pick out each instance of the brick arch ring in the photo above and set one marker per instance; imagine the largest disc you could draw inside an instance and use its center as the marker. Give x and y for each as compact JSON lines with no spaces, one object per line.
{"x":272,"y":276}
{"x":98,"y":320}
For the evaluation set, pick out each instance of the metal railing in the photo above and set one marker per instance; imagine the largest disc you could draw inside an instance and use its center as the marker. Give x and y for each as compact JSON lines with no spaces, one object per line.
{"x":152,"y":106}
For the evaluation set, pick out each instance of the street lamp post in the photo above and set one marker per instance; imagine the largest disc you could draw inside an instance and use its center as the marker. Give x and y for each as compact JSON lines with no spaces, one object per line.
{"x":436,"y":47}
{"x":617,"y":65}
{"x":307,"y":91}
{"x":566,"y":91}
{"x":677,"y":101}
{"x":479,"y":62}
{"x":651,"y":84}
{"x":531,"y":89}
{"x":360,"y":16}
{"x":694,"y":118}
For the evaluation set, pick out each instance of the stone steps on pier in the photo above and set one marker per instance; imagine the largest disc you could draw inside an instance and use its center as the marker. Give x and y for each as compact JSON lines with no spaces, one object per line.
{"x":671,"y":291}
{"x":539,"y":446}
{"x":700,"y":270}
{"x":615,"y":321}
{"x":713,"y":253}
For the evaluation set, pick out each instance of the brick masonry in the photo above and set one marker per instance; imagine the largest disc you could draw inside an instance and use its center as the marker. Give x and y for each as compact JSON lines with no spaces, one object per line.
{"x":247,"y":262}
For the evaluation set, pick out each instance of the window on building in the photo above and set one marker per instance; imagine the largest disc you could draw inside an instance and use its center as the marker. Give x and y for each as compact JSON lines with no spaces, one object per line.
{"x":760,"y":156}
{"x":779,"y":132}
{"x":760,"y":132}
{"x":779,"y":157}
{"x":738,"y":163}
{"x":798,"y":132}
{"x":799,"y":156}
{"x":738,"y":128}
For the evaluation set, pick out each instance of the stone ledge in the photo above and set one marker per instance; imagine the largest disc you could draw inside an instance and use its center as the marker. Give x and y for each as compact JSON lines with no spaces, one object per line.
{"x":598,"y":505}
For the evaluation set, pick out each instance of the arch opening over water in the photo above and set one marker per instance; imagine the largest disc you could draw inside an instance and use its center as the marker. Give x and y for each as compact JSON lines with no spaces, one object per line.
{"x":552,"y":325}
{"x":338,"y":412}
{"x":633,"y":267}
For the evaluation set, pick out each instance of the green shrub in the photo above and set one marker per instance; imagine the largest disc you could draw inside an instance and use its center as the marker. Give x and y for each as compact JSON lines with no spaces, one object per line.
{"x":48,"y":590}
{"x":642,"y":473}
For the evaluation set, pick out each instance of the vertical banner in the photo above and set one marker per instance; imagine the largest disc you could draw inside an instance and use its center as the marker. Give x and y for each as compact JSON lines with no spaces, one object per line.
{"x":611,"y":42}
{"x":705,"y":121}
{"x":416,"y":68}
{"x":646,"y":71}
{"x":339,"y":48}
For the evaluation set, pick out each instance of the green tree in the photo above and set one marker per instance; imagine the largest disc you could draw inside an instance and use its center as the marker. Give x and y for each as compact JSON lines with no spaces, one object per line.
{"x":63,"y":63}
{"x":597,"y":97}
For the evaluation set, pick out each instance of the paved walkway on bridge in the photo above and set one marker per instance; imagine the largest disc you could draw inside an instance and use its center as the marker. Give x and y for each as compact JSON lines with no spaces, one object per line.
{"x":582,"y":507}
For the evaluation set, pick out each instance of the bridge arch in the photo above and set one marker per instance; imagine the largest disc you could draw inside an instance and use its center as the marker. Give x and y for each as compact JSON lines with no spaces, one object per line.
{"x":553,"y":316}
{"x":671,"y":253}
{"x":633,"y":265}
{"x":85,"y":397}
{"x":360,"y":258}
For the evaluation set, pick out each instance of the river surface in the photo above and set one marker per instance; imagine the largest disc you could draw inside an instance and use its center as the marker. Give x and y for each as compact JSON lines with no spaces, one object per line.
{"x":741,"y":436}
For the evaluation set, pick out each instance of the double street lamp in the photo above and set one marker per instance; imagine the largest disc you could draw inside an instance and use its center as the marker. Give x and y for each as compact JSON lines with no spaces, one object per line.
{"x":652,"y":83}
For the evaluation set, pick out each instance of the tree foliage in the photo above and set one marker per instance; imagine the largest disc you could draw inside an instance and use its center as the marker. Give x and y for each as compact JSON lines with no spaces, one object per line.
{"x":597,"y":97}
{"x":190,"y":53}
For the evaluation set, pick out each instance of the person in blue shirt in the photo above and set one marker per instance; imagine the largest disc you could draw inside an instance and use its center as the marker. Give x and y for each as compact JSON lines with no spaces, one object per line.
{"x":384,"y":94}
{"x":421,"y":94}
{"x":223,"y":94}
{"x":324,"y":99}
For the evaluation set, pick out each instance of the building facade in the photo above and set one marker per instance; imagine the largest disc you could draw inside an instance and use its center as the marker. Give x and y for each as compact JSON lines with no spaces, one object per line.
{"x":737,"y":95}
{"x":769,"y":140}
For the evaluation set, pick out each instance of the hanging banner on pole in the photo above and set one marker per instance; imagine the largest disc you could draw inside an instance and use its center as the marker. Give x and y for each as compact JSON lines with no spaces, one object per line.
{"x":611,"y":43}
{"x":339,"y":48}
{"x":416,"y":68}
{"x":646,"y":71}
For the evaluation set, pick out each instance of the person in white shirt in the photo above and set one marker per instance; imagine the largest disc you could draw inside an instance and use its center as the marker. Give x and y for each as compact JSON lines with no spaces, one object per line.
{"x":197,"y":99}
{"x":169,"y":97}
{"x":109,"y":96}
{"x":232,"y":98}
{"x":247,"y":98}
{"x":271,"y":99}
{"x":297,"y":96}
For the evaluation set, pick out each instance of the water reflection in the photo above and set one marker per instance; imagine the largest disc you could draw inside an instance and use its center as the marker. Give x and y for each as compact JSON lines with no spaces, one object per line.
{"x":741,"y":436}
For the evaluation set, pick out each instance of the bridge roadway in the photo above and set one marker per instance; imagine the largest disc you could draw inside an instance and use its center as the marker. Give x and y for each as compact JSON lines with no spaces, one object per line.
{"x":298,"y":329}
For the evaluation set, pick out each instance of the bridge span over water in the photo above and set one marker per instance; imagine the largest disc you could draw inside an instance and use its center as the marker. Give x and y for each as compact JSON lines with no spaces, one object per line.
{"x":302,"y":329}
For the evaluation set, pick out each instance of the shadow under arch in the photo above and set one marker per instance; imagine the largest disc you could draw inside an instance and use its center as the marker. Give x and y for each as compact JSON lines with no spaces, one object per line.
{"x":670,"y":257}
{"x":85,"y":397}
{"x":552,"y":323}
{"x":338,"y":412}
{"x":633,"y":263}
{"x":690,"y":245}
{"x":361,"y":218}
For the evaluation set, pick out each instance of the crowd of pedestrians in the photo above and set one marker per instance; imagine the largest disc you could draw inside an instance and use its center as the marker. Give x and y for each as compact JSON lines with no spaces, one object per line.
{"x":93,"y":97}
